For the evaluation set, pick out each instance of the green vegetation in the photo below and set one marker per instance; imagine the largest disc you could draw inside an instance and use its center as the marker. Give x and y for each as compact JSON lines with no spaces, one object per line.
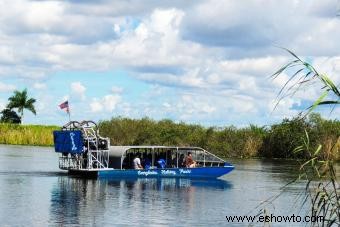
{"x":322,"y":188}
{"x":12,"y":133}
{"x":318,"y":169}
{"x":9,"y":116}
{"x":21,"y":101}
{"x":26,"y":134}
{"x":286,"y":136}
{"x":277,"y":141}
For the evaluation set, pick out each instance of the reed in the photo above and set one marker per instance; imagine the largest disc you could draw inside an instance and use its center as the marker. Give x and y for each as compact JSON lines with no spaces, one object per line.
{"x":323,"y":182}
{"x":37,"y":135}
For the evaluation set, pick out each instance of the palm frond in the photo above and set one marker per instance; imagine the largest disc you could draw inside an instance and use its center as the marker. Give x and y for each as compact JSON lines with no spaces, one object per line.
{"x":21,"y":101}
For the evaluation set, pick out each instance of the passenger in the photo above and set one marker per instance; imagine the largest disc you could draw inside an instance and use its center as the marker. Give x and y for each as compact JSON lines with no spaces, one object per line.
{"x":173,"y":161}
{"x":169,"y":159}
{"x":147,"y":162}
{"x":125,"y":164}
{"x":136,"y":162}
{"x":189,"y":161}
{"x":181,"y":161}
{"x":161,"y":163}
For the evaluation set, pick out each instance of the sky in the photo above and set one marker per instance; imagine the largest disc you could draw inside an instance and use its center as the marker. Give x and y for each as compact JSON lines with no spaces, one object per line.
{"x":204,"y":62}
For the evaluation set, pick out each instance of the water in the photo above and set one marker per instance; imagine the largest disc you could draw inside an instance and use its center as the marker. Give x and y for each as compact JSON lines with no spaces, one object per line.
{"x":34,"y":192}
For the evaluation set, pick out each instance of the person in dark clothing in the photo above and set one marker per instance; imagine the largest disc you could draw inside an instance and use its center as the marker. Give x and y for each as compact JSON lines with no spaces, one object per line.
{"x":147,"y":162}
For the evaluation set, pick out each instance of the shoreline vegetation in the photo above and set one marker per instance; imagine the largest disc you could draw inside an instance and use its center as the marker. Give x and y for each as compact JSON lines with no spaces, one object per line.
{"x":275,"y":141}
{"x":32,"y":135}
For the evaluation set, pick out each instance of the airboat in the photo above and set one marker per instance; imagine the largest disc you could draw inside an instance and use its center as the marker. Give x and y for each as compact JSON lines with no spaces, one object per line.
{"x":83,"y":152}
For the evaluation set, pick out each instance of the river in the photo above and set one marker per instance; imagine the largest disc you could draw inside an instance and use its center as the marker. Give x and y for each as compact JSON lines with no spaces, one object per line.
{"x":34,"y":192}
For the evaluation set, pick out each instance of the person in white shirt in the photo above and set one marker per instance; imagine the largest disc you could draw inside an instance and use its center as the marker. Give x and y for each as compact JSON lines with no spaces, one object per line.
{"x":136,"y":162}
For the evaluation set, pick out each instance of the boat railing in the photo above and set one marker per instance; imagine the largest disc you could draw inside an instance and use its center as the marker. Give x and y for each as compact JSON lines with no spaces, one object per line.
{"x":95,"y":150}
{"x":173,"y":159}
{"x":208,"y":158}
{"x":212,"y":160}
{"x":209,"y":163}
{"x":97,"y":156}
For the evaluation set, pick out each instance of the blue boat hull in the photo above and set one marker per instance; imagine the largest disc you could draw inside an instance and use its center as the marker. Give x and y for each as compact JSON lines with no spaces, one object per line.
{"x":200,"y":172}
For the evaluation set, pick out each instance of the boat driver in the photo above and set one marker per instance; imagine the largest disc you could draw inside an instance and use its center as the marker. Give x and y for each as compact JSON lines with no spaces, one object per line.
{"x":189,"y":161}
{"x":136,"y":162}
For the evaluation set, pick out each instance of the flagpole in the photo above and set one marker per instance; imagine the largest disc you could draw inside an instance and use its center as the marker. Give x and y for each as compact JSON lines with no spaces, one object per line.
{"x":69,"y":114}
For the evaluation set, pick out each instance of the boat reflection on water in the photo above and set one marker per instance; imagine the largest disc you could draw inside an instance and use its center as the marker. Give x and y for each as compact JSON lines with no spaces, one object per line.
{"x":78,"y":201}
{"x":168,"y":184}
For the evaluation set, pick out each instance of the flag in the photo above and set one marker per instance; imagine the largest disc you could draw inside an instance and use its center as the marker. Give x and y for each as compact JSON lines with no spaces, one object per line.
{"x":64,"y":105}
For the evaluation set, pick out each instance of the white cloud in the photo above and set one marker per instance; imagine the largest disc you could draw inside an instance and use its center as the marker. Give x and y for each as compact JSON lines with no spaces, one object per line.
{"x":107,"y":103}
{"x":157,"y":40}
{"x":329,"y":66}
{"x":116,"y":28}
{"x":158,"y":32}
{"x":6,"y":87}
{"x":116,"y":89}
{"x":78,"y":89}
{"x":7,"y":55}
{"x":110,"y":102}
{"x":190,"y":107}
{"x":283,"y":109}
{"x":96,"y":106}
{"x":51,"y":11}
{"x":166,"y":105}
{"x":39,"y":86}
{"x":211,"y":58}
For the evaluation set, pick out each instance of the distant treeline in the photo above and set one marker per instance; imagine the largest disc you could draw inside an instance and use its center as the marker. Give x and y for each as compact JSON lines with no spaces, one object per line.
{"x":276,"y":141}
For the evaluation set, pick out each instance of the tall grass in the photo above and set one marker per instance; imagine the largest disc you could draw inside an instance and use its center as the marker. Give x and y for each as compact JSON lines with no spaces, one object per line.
{"x":38,"y":135}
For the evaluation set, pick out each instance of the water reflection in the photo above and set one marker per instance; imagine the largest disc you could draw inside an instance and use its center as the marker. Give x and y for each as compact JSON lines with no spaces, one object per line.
{"x":79,"y":201}
{"x":167,"y":184}
{"x":35,"y":192}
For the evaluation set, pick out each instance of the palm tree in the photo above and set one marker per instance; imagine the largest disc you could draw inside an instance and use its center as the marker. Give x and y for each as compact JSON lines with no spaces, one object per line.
{"x":21,"y":101}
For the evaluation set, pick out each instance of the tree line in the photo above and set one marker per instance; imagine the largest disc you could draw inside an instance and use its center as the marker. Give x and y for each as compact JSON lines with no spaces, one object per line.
{"x":275,"y":141}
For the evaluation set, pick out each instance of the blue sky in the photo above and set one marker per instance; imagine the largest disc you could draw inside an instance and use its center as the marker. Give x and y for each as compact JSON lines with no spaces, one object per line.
{"x":204,"y":62}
